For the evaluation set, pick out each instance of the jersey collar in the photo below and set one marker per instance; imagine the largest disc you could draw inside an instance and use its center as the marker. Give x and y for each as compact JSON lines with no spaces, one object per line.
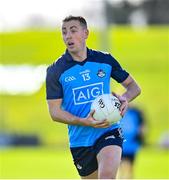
{"x":69,"y":57}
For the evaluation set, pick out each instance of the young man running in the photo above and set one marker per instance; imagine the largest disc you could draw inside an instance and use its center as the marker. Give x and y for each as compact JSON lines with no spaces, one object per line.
{"x":72,"y":83}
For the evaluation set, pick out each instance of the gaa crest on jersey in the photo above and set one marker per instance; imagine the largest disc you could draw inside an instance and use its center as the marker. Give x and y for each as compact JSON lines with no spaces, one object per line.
{"x":101,"y":73}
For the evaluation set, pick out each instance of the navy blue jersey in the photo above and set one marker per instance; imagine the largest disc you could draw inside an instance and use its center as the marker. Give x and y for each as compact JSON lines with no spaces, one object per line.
{"x":78,"y":84}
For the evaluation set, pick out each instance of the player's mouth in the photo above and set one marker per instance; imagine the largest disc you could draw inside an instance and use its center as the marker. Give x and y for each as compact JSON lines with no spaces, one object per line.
{"x":70,"y":44}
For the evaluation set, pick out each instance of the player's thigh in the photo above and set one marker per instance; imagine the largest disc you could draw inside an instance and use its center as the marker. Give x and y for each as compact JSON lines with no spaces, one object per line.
{"x":94,"y":175}
{"x":109,"y":159}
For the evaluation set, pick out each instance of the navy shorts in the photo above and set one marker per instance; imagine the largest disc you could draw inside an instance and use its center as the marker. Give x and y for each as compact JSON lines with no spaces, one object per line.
{"x":85,"y":157}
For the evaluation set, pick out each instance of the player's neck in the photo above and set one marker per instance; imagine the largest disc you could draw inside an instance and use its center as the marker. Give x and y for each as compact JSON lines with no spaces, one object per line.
{"x":80,"y":55}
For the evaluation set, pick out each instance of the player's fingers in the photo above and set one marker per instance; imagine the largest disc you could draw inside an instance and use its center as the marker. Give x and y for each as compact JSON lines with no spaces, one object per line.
{"x":95,"y":122}
{"x":116,"y":95}
{"x":101,"y":124}
{"x":122,"y":99}
{"x":92,"y":113}
{"x":123,"y":108}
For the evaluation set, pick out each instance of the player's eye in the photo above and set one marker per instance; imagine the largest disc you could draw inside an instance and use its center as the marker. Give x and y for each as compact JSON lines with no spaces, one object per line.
{"x":64,"y":32}
{"x":73,"y":30}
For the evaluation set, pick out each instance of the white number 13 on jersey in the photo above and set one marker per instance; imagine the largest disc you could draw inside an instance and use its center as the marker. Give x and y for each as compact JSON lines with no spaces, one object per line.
{"x":86,"y":76}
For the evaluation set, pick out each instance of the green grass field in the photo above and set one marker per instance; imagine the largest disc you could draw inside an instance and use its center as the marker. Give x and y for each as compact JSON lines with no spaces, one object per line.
{"x":22,"y":163}
{"x":144,"y":53}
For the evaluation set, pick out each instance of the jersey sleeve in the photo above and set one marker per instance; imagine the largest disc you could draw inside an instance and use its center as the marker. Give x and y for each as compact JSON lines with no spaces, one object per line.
{"x":53,"y":86}
{"x":117,"y":73}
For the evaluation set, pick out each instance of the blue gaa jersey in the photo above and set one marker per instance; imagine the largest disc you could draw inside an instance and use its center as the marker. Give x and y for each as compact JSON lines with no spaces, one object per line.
{"x":78,"y":84}
{"x":131,"y":124}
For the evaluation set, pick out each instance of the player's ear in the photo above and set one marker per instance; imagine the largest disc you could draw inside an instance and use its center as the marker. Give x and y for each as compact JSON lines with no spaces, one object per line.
{"x":86,"y":33}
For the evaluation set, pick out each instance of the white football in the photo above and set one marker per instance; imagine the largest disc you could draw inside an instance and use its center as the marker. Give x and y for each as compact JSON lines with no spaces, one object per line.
{"x":106,"y":106}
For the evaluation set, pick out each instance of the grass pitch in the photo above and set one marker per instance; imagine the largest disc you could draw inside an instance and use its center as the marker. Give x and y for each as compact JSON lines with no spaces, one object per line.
{"x":41,"y":163}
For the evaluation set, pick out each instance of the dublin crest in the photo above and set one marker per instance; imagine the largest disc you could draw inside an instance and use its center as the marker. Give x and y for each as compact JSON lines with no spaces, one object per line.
{"x":101,"y":73}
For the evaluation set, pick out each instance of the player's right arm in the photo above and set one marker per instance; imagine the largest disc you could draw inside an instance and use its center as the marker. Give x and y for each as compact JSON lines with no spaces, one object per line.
{"x":59,"y":115}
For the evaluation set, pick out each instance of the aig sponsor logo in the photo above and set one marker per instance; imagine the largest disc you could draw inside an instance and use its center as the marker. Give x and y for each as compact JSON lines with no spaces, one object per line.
{"x":85,"y":94}
{"x":69,"y":78}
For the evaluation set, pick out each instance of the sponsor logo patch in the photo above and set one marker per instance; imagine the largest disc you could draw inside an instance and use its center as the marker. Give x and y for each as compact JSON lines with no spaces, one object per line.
{"x":85,"y":94}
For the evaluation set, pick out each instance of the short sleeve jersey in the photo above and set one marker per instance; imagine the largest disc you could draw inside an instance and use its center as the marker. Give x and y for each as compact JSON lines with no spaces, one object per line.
{"x":78,"y":84}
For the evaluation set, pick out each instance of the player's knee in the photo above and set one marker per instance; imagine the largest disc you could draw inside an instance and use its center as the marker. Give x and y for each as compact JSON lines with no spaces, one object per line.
{"x":107,"y":173}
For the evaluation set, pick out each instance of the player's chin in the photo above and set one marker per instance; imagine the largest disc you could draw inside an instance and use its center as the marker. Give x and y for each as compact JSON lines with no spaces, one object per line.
{"x":72,"y":49}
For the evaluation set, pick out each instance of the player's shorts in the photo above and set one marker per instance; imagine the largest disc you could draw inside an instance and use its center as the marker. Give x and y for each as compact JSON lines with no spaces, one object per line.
{"x":85,"y":157}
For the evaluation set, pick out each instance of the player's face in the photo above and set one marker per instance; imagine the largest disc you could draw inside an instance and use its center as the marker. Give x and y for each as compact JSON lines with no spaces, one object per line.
{"x":74,"y":36}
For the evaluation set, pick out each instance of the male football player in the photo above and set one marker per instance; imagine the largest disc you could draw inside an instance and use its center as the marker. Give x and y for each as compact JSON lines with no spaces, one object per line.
{"x":72,"y":83}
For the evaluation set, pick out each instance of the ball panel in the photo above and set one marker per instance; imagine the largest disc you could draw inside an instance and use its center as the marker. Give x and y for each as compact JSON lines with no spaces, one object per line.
{"x":99,"y":106}
{"x":106,"y":106}
{"x":114,"y":116}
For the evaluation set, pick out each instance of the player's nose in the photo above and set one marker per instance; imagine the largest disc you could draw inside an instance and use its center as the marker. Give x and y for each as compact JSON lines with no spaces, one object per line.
{"x":68,"y":35}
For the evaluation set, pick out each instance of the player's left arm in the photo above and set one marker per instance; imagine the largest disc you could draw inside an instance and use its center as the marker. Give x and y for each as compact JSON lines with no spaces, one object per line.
{"x":132,"y":91}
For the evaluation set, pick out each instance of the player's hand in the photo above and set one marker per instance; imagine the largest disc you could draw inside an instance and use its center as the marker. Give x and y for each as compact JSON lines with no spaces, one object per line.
{"x":124,"y":103}
{"x":90,"y":121}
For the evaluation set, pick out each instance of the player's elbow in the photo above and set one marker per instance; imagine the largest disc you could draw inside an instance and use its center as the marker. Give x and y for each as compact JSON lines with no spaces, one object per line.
{"x":138,"y":89}
{"x":53,"y":115}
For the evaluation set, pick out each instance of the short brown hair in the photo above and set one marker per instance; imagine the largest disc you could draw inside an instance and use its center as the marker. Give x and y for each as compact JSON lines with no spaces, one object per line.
{"x":77,"y":18}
